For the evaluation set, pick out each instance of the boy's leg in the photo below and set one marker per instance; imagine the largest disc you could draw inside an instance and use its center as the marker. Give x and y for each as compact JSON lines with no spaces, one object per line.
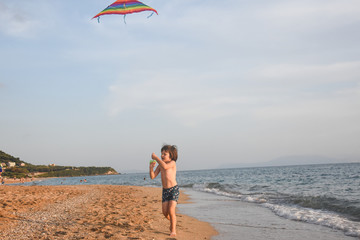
{"x":165,"y":209}
{"x":172,"y":214}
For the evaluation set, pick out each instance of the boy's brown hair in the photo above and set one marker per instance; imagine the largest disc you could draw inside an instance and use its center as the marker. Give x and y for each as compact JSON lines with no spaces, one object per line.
{"x":172,"y":150}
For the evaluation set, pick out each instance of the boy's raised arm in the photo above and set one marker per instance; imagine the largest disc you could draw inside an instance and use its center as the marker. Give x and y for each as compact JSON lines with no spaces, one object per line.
{"x":151,"y":171}
{"x":161,"y":163}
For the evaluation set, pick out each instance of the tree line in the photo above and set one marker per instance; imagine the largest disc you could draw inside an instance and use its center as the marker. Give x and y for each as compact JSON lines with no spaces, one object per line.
{"x":30,"y":170}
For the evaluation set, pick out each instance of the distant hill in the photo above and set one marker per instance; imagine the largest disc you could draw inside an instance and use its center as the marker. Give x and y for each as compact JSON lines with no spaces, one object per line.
{"x":24,"y":169}
{"x":289,"y":161}
{"x":303,"y":160}
{"x":5,"y":158}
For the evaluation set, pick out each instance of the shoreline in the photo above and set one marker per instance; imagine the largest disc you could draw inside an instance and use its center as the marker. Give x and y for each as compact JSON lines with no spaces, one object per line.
{"x":93,"y":212}
{"x":25,"y":180}
{"x":233,"y":218}
{"x":39,"y":179}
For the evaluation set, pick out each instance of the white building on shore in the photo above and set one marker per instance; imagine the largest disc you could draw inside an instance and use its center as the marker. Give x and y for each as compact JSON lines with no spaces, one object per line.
{"x":11,"y":164}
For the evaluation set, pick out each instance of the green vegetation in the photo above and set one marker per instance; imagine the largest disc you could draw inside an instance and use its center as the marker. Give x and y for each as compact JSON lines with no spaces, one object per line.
{"x":30,"y":170}
{"x":79,"y":171}
{"x":4,"y":158}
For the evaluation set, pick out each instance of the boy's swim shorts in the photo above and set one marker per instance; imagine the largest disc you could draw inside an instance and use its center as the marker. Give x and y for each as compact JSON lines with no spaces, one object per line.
{"x":170,"y":194}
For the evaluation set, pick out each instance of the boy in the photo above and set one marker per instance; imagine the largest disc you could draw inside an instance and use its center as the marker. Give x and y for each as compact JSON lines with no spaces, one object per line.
{"x":170,"y":195}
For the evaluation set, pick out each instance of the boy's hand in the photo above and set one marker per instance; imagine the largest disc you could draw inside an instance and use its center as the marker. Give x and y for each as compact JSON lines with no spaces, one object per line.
{"x":153,"y":156}
{"x":152,"y":164}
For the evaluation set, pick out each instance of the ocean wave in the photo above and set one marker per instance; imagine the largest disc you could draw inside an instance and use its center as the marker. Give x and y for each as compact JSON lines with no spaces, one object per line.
{"x":328,"y":203}
{"x":215,"y":188}
{"x":321,"y":210}
{"x":350,"y":209}
{"x":227,"y":191}
{"x":190,"y":185}
{"x":320,"y":217}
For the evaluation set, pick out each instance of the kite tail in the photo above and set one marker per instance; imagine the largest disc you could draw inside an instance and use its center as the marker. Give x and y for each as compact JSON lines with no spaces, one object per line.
{"x":150,"y":14}
{"x":98,"y":19}
{"x":124,"y":14}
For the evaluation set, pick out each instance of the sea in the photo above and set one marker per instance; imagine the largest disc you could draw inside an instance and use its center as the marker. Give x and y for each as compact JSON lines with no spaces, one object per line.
{"x":325,"y":195}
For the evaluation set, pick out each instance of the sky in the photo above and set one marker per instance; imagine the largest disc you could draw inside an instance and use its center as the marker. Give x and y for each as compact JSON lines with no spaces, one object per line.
{"x":228,"y":82}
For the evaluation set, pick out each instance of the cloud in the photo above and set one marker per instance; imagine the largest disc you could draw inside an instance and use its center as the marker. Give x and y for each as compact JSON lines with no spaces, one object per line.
{"x":189,"y":99}
{"x":339,"y":105}
{"x":312,"y":14}
{"x":273,"y":91}
{"x":309,"y":74}
{"x":15,"y":22}
{"x":329,"y":91}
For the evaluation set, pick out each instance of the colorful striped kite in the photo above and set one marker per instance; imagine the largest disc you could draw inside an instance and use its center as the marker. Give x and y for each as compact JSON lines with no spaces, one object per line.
{"x":124,"y":7}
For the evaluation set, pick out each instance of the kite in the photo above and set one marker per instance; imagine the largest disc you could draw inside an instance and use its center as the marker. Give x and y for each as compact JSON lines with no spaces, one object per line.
{"x":124,"y":7}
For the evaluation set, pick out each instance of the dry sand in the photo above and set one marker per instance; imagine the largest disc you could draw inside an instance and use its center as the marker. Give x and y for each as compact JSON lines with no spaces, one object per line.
{"x":91,"y":212}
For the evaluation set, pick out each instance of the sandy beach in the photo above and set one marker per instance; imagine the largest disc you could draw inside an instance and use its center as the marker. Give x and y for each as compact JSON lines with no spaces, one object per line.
{"x":91,"y":212}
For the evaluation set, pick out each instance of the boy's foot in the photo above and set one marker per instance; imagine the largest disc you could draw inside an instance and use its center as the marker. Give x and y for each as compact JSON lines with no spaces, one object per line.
{"x":173,"y":234}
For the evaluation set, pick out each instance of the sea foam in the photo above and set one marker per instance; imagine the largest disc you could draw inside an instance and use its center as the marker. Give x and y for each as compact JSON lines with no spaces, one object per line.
{"x":319,"y":217}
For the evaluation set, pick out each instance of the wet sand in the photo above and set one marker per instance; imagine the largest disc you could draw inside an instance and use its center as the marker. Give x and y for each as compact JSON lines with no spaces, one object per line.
{"x":20,"y":180}
{"x":91,"y":212}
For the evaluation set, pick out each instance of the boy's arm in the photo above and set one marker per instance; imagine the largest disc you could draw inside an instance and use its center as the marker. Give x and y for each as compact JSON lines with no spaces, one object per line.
{"x":161,"y":163}
{"x":151,"y":171}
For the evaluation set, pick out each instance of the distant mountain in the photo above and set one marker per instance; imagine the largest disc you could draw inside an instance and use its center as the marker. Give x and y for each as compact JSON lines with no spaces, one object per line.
{"x":303,"y":160}
{"x":290,"y":160}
